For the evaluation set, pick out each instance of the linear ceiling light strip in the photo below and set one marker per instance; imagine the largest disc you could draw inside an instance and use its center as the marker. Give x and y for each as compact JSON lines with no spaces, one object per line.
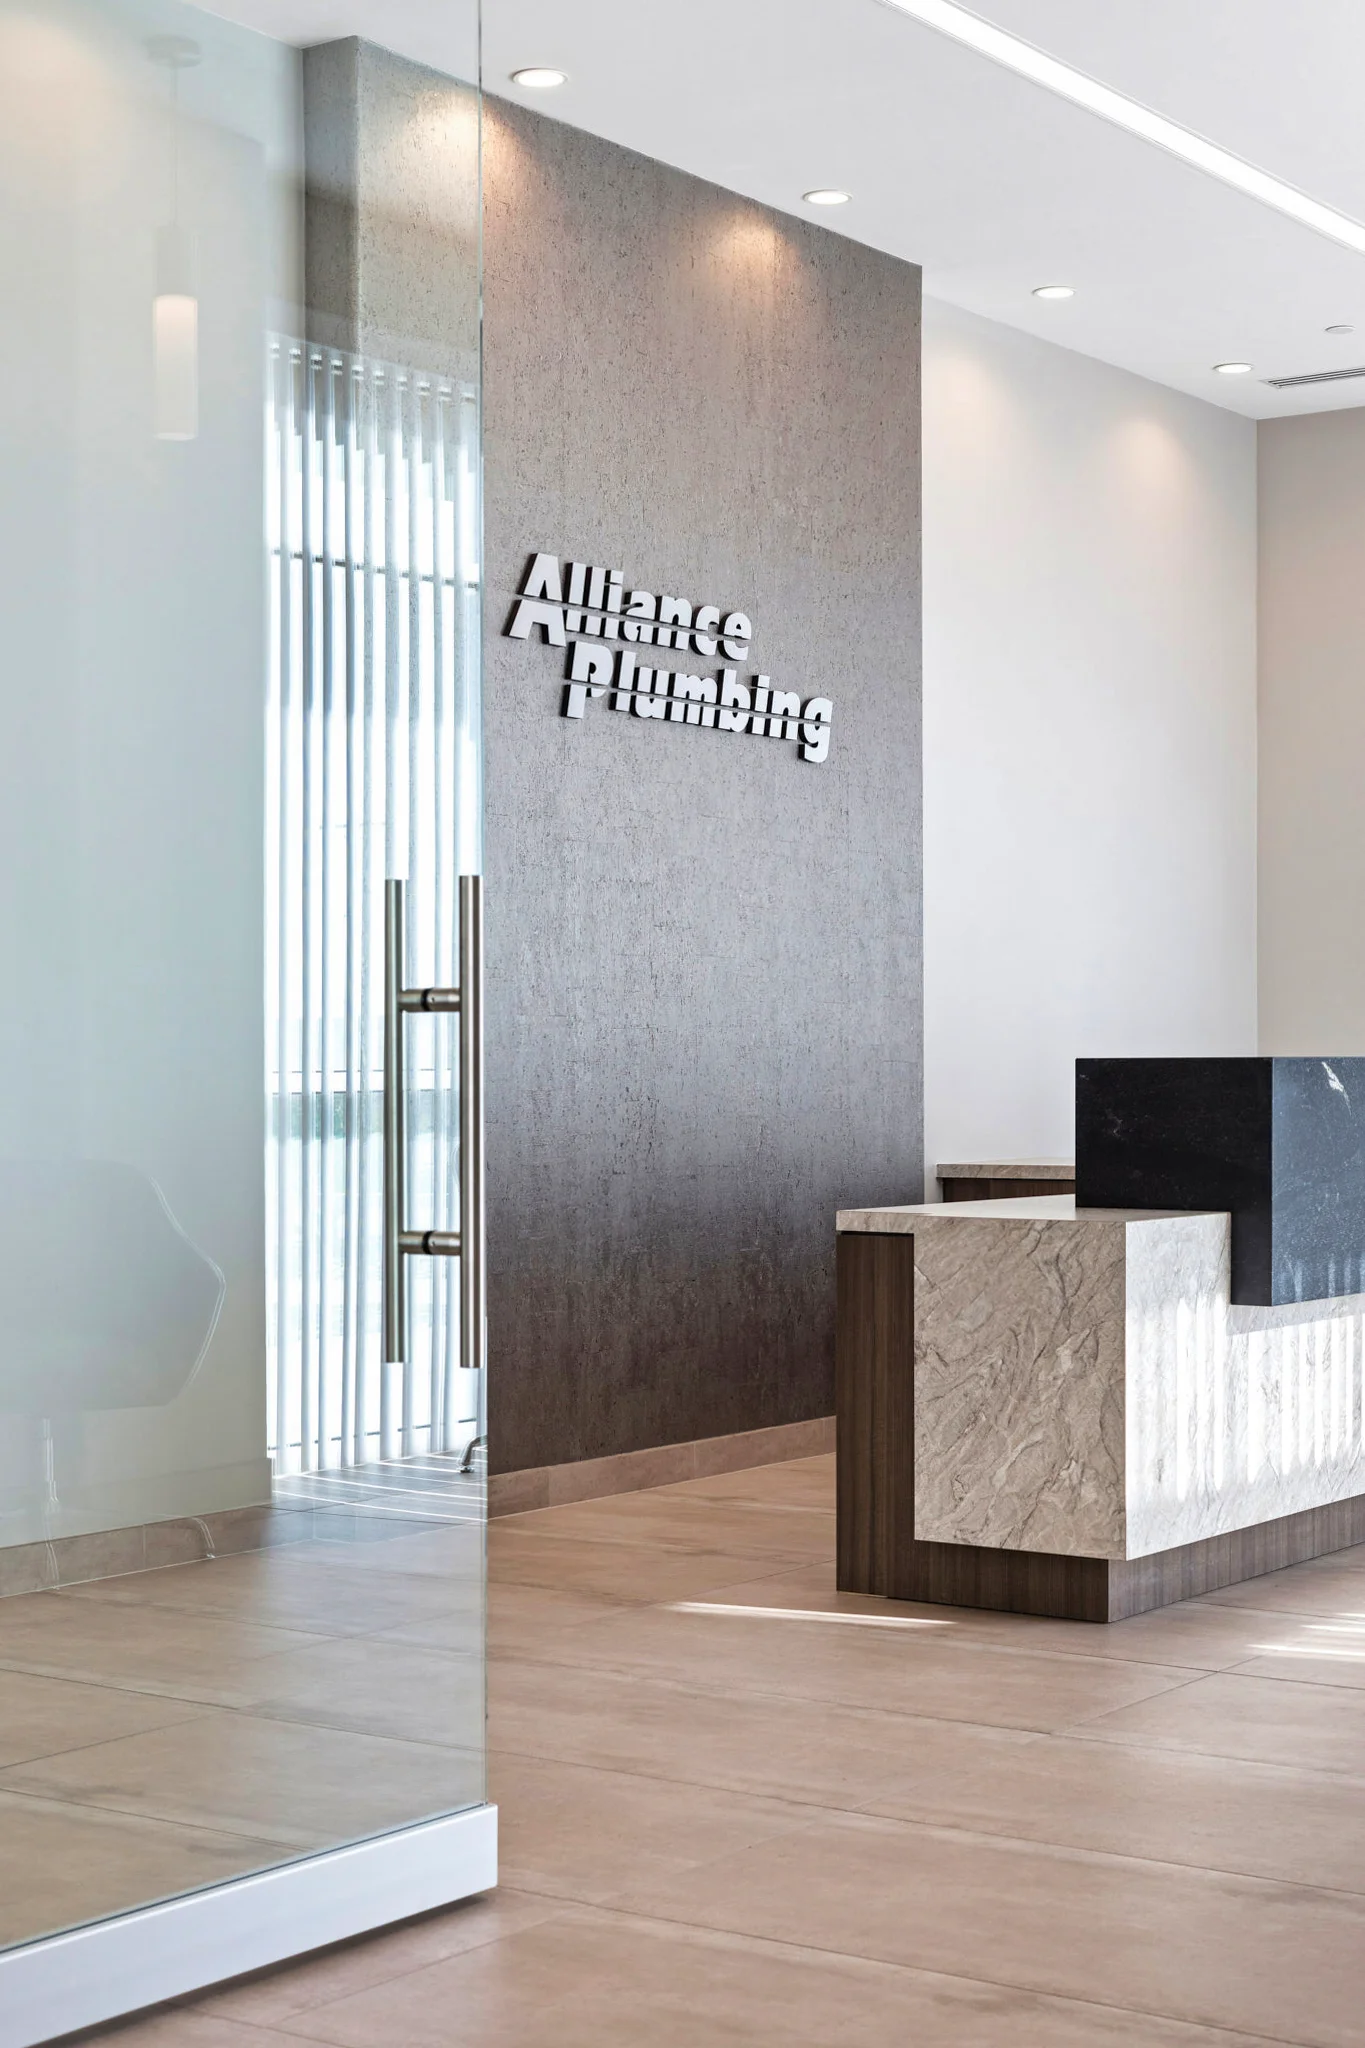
{"x":1049,"y":72}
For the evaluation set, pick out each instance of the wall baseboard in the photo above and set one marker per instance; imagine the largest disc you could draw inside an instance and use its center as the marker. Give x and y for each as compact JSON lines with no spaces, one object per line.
{"x":551,"y":1486}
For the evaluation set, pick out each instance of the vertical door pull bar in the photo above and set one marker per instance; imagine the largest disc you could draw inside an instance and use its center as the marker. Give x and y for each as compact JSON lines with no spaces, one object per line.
{"x":473,"y":1264}
{"x":395,"y":1128}
{"x":401,"y":1241}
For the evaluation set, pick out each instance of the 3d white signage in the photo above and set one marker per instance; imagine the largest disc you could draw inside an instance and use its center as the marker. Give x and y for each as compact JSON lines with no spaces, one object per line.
{"x":589,"y":607}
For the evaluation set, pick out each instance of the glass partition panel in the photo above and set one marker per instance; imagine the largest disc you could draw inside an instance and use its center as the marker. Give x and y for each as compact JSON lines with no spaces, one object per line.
{"x":241,"y":1534}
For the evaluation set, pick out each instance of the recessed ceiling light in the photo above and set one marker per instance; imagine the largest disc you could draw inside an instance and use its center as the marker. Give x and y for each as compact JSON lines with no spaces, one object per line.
{"x":1054,"y":291}
{"x":1233,"y":369}
{"x":1016,"y":55}
{"x":826,"y":195}
{"x":537,"y":78}
{"x":1340,"y":327}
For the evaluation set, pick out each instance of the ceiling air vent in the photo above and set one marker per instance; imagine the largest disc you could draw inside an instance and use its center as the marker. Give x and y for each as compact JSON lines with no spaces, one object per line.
{"x":1315,"y":377}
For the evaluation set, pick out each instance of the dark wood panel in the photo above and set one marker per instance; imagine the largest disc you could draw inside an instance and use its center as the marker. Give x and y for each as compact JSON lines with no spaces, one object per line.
{"x":1101,"y":1589}
{"x":1141,"y":1583}
{"x":1013,"y":1581}
{"x":956,"y":1190}
{"x":874,"y":1400}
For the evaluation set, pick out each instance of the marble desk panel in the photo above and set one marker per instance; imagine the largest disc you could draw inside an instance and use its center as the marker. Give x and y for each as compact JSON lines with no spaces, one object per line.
{"x":1084,"y":1385}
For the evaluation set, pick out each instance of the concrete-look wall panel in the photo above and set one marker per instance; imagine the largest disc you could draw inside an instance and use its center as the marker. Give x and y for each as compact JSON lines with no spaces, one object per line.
{"x":392,"y":208}
{"x":704,"y":1010}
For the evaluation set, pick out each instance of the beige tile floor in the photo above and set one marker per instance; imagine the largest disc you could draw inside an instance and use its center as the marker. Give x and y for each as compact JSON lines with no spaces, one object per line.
{"x":740,"y":1809}
{"x":167,"y":1729}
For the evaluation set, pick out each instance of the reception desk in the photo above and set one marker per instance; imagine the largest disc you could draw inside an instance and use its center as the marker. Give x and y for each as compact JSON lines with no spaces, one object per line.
{"x":1061,"y":1410}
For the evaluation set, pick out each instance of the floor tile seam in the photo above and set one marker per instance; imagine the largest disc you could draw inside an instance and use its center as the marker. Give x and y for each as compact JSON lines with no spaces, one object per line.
{"x":620,"y":1602}
{"x":48,"y":1756}
{"x":1108,"y":1661}
{"x":139,"y":1692}
{"x":68,"y":1804}
{"x":1086,"y":1658}
{"x":1081,"y":1659}
{"x":788,"y":1950}
{"x":65,"y":1678}
{"x":318,"y":1958}
{"x":748,"y":1565}
{"x":1117,"y":1859}
{"x":1102,"y":1713}
{"x":703,"y":1501}
{"x":1184,"y":1685}
{"x":1078,"y":1851}
{"x":312,"y":1640}
{"x":261,"y":1712}
{"x":1325,"y":1772}
{"x":683,"y":1490}
{"x":753,"y":1567}
{"x":232,"y":1618}
{"x":750,"y":1572}
{"x":752,"y":1512}
{"x":1290,"y":1677}
{"x":608,"y":1521}
{"x":618,"y":1770}
{"x":250,"y":2030}
{"x":728,"y":1786}
{"x":728,"y":1690}
{"x":1279,"y":1614}
{"x":326,"y":1558}
{"x":461,"y":1657}
{"x":291,"y":1850}
{"x":306,"y":1639}
{"x":255,"y":1711}
{"x":1251,"y":1763}
{"x":203,"y":1707}
{"x":216,"y":1614}
{"x":644,"y":1502}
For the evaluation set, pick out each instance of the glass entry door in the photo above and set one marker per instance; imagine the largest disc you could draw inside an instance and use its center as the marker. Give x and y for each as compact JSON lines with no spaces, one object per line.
{"x":241,"y":1535}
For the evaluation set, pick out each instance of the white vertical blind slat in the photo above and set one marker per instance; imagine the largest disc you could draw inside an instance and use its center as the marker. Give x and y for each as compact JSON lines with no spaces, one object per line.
{"x":351,"y":1432}
{"x":368,"y":673}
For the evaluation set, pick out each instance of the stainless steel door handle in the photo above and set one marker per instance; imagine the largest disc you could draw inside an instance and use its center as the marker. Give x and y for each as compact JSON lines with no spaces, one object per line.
{"x":402,"y":1242}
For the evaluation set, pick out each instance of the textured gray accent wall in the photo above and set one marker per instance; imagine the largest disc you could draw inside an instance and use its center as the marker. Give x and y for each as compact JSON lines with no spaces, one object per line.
{"x":704,"y":958}
{"x":391,"y":155}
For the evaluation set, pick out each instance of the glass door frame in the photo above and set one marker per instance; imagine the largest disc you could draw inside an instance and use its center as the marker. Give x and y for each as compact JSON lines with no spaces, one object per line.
{"x":114,"y":1967}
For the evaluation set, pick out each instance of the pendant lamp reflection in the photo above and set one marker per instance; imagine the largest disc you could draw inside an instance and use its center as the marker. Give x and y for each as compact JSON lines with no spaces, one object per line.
{"x":175,"y":308}
{"x":175,"y":338}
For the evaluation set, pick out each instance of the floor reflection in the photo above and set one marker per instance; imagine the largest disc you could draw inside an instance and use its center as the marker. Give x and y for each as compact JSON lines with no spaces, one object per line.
{"x":165,"y":1729}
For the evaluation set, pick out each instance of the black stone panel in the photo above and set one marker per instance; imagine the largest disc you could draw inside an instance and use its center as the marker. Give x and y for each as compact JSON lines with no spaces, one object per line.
{"x":1279,"y":1143}
{"x":1317,"y":1195}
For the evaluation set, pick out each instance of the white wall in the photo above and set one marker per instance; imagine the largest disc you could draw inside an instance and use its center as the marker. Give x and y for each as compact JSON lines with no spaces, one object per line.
{"x":1312,"y":650}
{"x":1090,"y":730}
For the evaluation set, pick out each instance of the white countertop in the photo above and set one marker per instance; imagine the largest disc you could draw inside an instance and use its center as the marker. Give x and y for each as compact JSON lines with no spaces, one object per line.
{"x":1011,"y":1169}
{"x":1016,"y":1209}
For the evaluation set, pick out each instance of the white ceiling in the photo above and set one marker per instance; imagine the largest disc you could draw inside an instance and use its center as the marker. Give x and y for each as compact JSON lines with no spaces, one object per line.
{"x":991,"y":183}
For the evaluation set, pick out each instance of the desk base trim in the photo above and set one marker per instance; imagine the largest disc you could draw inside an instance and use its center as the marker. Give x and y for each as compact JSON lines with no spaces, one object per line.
{"x":1108,"y":1589}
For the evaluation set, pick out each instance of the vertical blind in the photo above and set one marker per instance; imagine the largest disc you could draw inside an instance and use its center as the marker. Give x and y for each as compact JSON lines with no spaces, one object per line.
{"x":372,"y":761}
